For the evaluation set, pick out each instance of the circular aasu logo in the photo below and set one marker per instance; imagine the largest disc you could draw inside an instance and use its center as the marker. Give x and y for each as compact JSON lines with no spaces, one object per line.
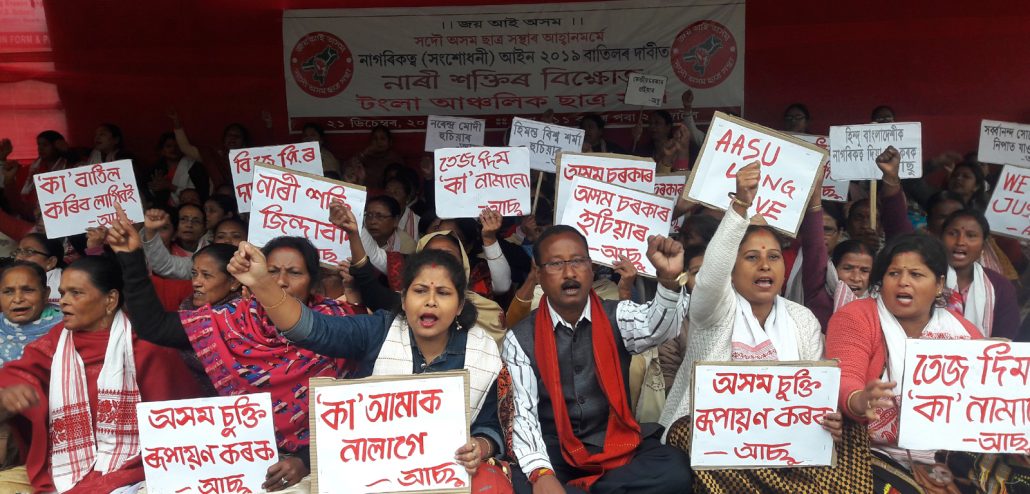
{"x":704,"y":54}
{"x":322,"y":64}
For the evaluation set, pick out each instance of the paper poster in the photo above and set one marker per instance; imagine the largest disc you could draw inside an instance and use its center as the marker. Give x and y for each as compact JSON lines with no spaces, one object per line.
{"x":762,"y":414}
{"x":544,"y":141}
{"x":1004,"y":143}
{"x":1008,"y":213}
{"x":645,"y":90}
{"x":302,"y":157}
{"x":618,"y":169}
{"x":75,"y":199}
{"x":854,"y":148}
{"x":671,"y":185}
{"x":453,"y":132}
{"x":471,"y":179}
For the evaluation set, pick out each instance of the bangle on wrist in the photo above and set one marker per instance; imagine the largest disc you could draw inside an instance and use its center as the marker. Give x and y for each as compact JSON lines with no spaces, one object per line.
{"x":892,"y":184}
{"x":520,"y":299}
{"x":733,"y":195}
{"x":540,"y":472}
{"x":361,"y":262}
{"x":277,"y":304}
{"x":851,"y":407}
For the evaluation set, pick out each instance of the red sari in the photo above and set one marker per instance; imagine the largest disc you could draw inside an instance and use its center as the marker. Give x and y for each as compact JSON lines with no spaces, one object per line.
{"x":160,"y":373}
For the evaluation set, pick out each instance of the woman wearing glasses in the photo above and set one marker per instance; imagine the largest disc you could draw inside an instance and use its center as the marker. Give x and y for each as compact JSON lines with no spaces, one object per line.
{"x":49,"y":255}
{"x":382,"y":215}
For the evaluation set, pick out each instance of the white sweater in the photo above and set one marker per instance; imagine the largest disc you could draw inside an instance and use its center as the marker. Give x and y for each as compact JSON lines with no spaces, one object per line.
{"x":713,"y":306}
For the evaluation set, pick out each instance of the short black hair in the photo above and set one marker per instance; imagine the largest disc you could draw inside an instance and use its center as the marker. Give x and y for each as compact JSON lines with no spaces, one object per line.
{"x":702,"y":225}
{"x":390,"y":203}
{"x":872,"y":116}
{"x":221,"y":253}
{"x":800,"y":107}
{"x":306,"y":249}
{"x":592,"y":117}
{"x":985,"y":227}
{"x":929,"y":248}
{"x":50,"y":136}
{"x":552,"y":231}
{"x":232,"y":219}
{"x":850,"y":246}
{"x":54,"y":247}
{"x":432,"y":257}
{"x":226,"y":203}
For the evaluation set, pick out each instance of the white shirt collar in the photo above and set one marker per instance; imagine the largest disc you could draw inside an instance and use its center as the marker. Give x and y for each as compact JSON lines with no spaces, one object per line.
{"x":557,"y":319}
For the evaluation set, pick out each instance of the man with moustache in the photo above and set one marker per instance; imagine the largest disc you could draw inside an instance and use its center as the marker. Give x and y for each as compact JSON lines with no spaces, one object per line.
{"x":588,"y":440}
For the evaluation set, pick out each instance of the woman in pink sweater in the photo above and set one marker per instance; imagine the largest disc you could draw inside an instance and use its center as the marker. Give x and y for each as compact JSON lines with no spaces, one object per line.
{"x":868,"y":337}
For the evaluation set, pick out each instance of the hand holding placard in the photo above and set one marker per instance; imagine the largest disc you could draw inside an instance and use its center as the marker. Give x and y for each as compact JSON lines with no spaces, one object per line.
{"x":747,"y":187}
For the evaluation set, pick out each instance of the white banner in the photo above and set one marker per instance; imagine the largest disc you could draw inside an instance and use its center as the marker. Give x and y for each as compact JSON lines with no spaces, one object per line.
{"x":220,"y":444}
{"x":1004,"y":143}
{"x":471,"y":179}
{"x":302,"y":157}
{"x":646,"y":90}
{"x":389,"y":433}
{"x":670,"y":185}
{"x":616,"y":221}
{"x":633,"y":172}
{"x":789,"y":170}
{"x":294,"y":203}
{"x":962,"y":395}
{"x":854,"y":148}
{"x":762,"y":414}
{"x":453,"y":132}
{"x":545,"y":141}
{"x":1008,"y":213}
{"x":351,"y":69}
{"x":79,"y":198}
{"x":832,"y":190}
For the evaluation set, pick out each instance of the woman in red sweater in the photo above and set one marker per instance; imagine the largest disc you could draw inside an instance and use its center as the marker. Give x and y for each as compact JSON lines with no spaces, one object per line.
{"x":868,"y":337}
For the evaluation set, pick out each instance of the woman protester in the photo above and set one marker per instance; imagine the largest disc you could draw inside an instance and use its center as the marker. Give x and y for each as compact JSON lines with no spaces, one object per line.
{"x":47,"y":254}
{"x":28,"y":315}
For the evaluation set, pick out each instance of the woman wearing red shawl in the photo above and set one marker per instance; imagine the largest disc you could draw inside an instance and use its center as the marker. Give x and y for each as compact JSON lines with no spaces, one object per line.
{"x":71,"y":398}
{"x":237,"y":346}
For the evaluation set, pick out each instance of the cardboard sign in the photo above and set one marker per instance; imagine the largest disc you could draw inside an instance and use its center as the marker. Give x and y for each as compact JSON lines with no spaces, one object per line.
{"x":616,"y":221}
{"x":453,"y":132}
{"x":294,"y":203}
{"x":389,"y":433}
{"x":222,"y":444}
{"x":790,"y":169}
{"x":645,"y":90}
{"x":471,"y":179}
{"x":75,"y":199}
{"x":762,"y":414}
{"x":854,"y":148}
{"x":544,"y":141}
{"x":302,"y":157}
{"x":1009,"y":210}
{"x":961,"y":395}
{"x":1004,"y":143}
{"x":619,"y":169}
{"x":671,"y":185}
{"x":832,"y":190}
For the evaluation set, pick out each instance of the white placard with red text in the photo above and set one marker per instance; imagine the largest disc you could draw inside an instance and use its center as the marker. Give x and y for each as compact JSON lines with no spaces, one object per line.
{"x":832,"y":190}
{"x":645,"y":90}
{"x":453,"y":132}
{"x":961,"y":395}
{"x":616,"y":221}
{"x":302,"y":157}
{"x":75,"y":199}
{"x":671,"y":185}
{"x":854,"y":148}
{"x":628,"y":171}
{"x":294,"y":203}
{"x":1008,"y":213}
{"x":790,"y":168}
{"x":545,"y":141}
{"x":221,"y":444}
{"x":389,"y":433}
{"x":1004,"y":143}
{"x":762,"y":414}
{"x":471,"y":179}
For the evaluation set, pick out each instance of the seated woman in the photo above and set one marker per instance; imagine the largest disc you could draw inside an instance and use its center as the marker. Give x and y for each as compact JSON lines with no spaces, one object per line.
{"x":434,"y":331}
{"x":90,"y":361}
{"x":401,"y":187}
{"x":382,"y":214}
{"x":107,"y":145}
{"x":868,"y":337}
{"x":983,"y":296}
{"x":27,"y":314}
{"x":175,"y":172}
{"x":189,"y":230}
{"x":47,"y":254}
{"x":852,"y":261}
{"x":237,"y":345}
{"x":218,"y":207}
{"x":155,"y":221}
{"x":736,"y":314}
{"x":19,"y":188}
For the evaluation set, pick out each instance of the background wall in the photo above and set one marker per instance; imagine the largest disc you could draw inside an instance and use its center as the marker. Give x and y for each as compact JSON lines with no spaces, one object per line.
{"x":946,"y":63}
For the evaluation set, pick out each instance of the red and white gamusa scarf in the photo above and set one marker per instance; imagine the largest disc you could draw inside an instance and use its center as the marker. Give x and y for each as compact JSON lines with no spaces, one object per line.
{"x":76,"y":448}
{"x":777,"y":340}
{"x":977,"y":305}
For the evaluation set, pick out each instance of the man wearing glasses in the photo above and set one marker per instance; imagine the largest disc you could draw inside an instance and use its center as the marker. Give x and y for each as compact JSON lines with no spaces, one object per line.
{"x":589,"y":441}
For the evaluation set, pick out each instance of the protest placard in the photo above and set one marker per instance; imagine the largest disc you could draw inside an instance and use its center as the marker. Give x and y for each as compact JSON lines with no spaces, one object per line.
{"x":961,"y":395}
{"x":302,"y":157}
{"x":671,"y":185}
{"x":616,"y":221}
{"x":790,"y":169}
{"x":832,"y":190}
{"x":453,"y":132}
{"x":389,"y":433}
{"x":295,"y":203}
{"x":1008,"y":213}
{"x":1004,"y":143}
{"x":206,"y":445}
{"x":75,"y":199}
{"x":619,"y":169}
{"x":471,"y":179}
{"x":645,"y":90}
{"x":854,"y":148}
{"x":544,"y":141}
{"x":762,"y":414}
